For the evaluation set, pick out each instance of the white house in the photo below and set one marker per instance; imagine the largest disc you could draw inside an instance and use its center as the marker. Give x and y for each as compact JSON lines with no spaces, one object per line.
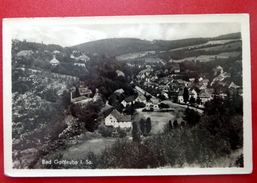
{"x":180,"y":96}
{"x":120,"y":73}
{"x":54,"y":61}
{"x":119,"y":91}
{"x":116,"y":119}
{"x":192,"y":93}
{"x":205,"y":96}
{"x":80,"y":64}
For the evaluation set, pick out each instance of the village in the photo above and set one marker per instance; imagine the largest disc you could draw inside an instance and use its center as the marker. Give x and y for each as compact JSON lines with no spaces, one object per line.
{"x":160,"y":86}
{"x":70,"y":88}
{"x":168,"y":92}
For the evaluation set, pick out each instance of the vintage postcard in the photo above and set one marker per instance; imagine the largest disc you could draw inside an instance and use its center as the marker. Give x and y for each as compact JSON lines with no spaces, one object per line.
{"x":127,"y":96}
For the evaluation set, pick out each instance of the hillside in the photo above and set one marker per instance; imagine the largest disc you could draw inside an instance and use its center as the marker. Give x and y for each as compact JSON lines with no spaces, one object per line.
{"x":120,"y":46}
{"x":236,"y":35}
{"x":116,"y":46}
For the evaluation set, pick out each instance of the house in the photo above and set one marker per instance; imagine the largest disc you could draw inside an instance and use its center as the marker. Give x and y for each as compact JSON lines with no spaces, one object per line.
{"x":56,"y":52}
{"x":119,"y":91}
{"x":205,"y":95}
{"x":180,"y":96}
{"x":192,"y":93}
{"x":149,"y":106}
{"x":140,"y":91}
{"x":120,"y":73}
{"x":116,"y":119}
{"x":54,"y":61}
{"x":84,"y":91}
{"x":166,"y":95}
{"x":152,"y":104}
{"x":155,"y":103}
{"x":83,"y":57}
{"x":141,"y":98}
{"x":205,"y":82}
{"x":80,"y":64}
{"x":128,"y":101}
{"x":181,"y":82}
{"x":192,"y":80}
{"x":146,"y":72}
{"x":75,"y":55}
{"x":234,"y":89}
{"x":233,"y":86}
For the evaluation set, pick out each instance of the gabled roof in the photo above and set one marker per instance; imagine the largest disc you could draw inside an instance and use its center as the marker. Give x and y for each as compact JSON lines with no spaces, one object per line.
{"x":207,"y":93}
{"x":142,"y":97}
{"x":204,"y":95}
{"x":233,"y":85}
{"x":154,"y":100}
{"x":120,"y":117}
{"x":130,"y":99}
{"x":54,"y":61}
{"x":116,"y":113}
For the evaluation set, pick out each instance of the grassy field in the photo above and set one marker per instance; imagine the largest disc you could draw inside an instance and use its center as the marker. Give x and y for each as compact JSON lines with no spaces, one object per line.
{"x":158,"y":119}
{"x":226,"y":47}
{"x":130,"y":56}
{"x":215,"y":42}
{"x":201,"y":58}
{"x":95,"y":145}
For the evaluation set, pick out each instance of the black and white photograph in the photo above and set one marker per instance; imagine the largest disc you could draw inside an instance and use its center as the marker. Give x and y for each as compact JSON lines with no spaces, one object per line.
{"x":132,"y":95}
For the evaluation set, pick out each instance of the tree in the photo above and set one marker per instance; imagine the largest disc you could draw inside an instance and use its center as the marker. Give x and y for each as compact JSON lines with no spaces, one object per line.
{"x":148,"y":125}
{"x":191,"y":116}
{"x":142,"y":125}
{"x":170,"y":125}
{"x":76,"y":94}
{"x":148,"y":97}
{"x":175,"y":124}
{"x":135,"y":132}
{"x":185,"y":95}
{"x":192,"y":100}
{"x":66,"y":99}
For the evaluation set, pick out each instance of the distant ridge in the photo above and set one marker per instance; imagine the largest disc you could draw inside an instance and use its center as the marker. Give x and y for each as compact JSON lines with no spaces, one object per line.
{"x":119,"y":46}
{"x":116,"y":46}
{"x":236,"y":35}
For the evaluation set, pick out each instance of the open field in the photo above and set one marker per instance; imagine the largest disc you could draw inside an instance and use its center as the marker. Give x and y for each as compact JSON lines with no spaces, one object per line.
{"x":81,"y":150}
{"x":158,"y":119}
{"x":207,"y":58}
{"x":130,"y":56}
{"x":225,"y":47}
{"x":201,"y":58}
{"x":215,"y":43}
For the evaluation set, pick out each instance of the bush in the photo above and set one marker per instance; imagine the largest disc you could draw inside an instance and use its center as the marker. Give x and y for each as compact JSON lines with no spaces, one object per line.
{"x":105,"y":131}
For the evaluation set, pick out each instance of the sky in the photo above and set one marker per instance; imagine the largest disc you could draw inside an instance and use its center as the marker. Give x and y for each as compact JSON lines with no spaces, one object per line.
{"x":73,"y":34}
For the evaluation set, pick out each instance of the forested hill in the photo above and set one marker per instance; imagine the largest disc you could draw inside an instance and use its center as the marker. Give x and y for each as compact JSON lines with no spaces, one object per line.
{"x":119,"y":46}
{"x":116,"y":46}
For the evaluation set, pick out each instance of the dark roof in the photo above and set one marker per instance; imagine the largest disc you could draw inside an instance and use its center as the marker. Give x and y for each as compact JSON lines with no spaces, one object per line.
{"x":130,"y":99}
